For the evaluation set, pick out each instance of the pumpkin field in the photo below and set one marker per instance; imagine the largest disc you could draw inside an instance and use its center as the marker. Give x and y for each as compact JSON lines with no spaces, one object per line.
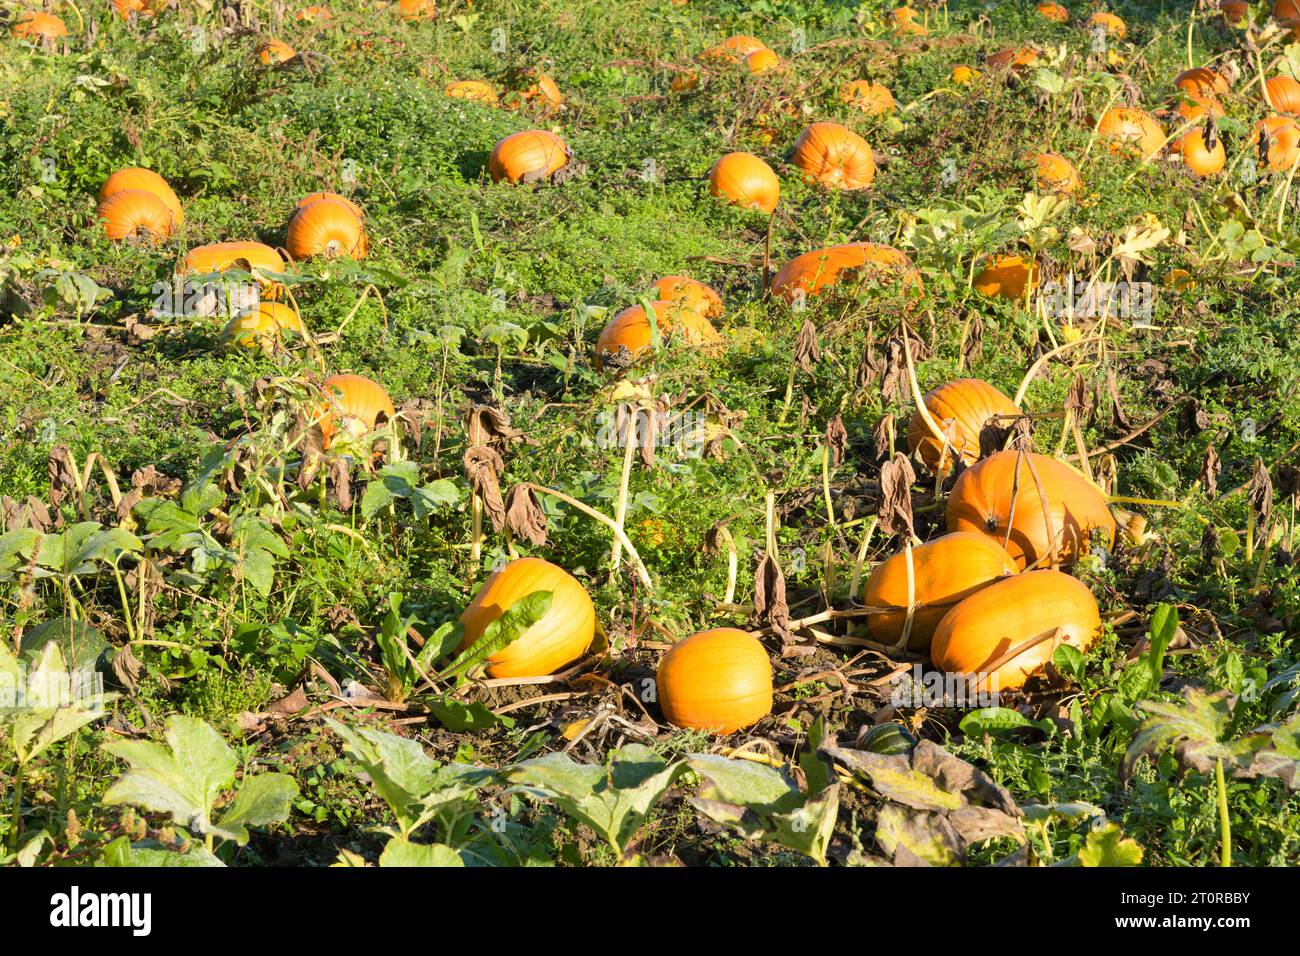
{"x":703,"y":433}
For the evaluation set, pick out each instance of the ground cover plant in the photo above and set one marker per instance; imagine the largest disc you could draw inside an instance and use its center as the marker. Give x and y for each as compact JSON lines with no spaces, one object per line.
{"x":688,"y":432}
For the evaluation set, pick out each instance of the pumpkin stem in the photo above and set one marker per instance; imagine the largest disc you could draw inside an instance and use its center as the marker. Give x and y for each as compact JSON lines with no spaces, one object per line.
{"x":917,"y":397}
{"x":591,"y":512}
{"x":1048,"y":523}
{"x":620,"y":507}
{"x":1043,"y":360}
{"x":861,"y":558}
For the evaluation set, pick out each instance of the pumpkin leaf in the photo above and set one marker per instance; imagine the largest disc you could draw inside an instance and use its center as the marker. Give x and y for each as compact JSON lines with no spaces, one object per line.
{"x":459,"y":717}
{"x":912,"y":835}
{"x":264,"y":799}
{"x":401,"y":852}
{"x":1107,"y":846}
{"x":502,"y":632}
{"x":1195,"y":729}
{"x":995,"y":721}
{"x":42,"y":706}
{"x":149,"y":853}
{"x":895,"y":779}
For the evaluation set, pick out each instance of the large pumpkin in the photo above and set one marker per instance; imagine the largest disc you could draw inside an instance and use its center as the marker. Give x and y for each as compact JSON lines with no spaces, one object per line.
{"x":945,"y":570}
{"x":734,"y":48}
{"x":1112,"y":25}
{"x":813,"y":271}
{"x":630,"y":331}
{"x":762,"y":61}
{"x":1007,"y":277}
{"x":133,"y":177}
{"x":1201,"y":81}
{"x":718,"y":680}
{"x":266,"y":327}
{"x":563,"y":633}
{"x":691,"y":293}
{"x":1131,"y":132}
{"x":1278,"y":139}
{"x":1050,"y":10}
{"x":999,"y":618}
{"x":220,"y":256}
{"x":960,"y":408}
{"x":1282,"y":93}
{"x":35,"y":26}
{"x":353,"y":405}
{"x":327,"y":226}
{"x":1001,"y":489}
{"x":1055,"y":173}
{"x":1197,"y":156}
{"x":834,"y":156}
{"x":528,"y":156}
{"x":745,"y":180}
{"x":135,"y":214}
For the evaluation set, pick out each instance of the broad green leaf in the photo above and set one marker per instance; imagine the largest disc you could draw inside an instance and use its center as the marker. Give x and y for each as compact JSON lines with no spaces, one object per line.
{"x":505,"y":630}
{"x":427,"y":499}
{"x":458,"y":716}
{"x":148,"y":853}
{"x":1107,"y":846}
{"x":996,"y":720}
{"x":744,"y":782}
{"x":262,"y":799}
{"x":1196,"y":727}
{"x":1164,"y":626}
{"x":401,"y":852}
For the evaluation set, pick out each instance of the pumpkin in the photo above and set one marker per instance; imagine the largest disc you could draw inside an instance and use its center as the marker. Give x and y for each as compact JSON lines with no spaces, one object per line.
{"x":1056,"y":174}
{"x":1192,"y":108}
{"x":734,"y":48}
{"x":999,"y":618}
{"x":1131,"y":132}
{"x":135,"y":213}
{"x":141,"y":8}
{"x":528,"y":156}
{"x":543,"y":90}
{"x":133,"y":177}
{"x":326,"y":227}
{"x":476,"y":90}
{"x":416,"y":9}
{"x":871,"y":98}
{"x":1113,"y":25}
{"x":1012,"y":58}
{"x":964,"y":75}
{"x":944,"y":571}
{"x":1282,"y":93}
{"x":762,"y":61}
{"x":960,"y":408}
{"x":904,"y":20}
{"x":630,"y":331}
{"x":1201,"y":81}
{"x":271,"y":51}
{"x":1054,"y":12}
{"x":220,"y":256}
{"x":264,"y":327}
{"x":688,"y":292}
{"x":685,"y":81}
{"x":1278,"y":141}
{"x":353,"y":404}
{"x":36,"y":26}
{"x":745,"y":180}
{"x":1007,"y":277}
{"x":1002,"y":488}
{"x":718,"y":680}
{"x":834,"y":156}
{"x":312,"y":14}
{"x":1287,"y":14}
{"x":1199,"y":159}
{"x":563,"y":633}
{"x":306,"y":201}
{"x":813,"y":271}
{"x":1234,"y":11}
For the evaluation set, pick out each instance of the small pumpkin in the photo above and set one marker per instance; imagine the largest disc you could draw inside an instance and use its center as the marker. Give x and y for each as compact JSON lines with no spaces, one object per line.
{"x":1287,"y":14}
{"x":1050,"y":10}
{"x":39,"y":26}
{"x":313,"y":14}
{"x":944,"y":571}
{"x":220,"y":256}
{"x":822,"y":268}
{"x":906,"y":20}
{"x":543,"y":91}
{"x":326,"y":227}
{"x":1001,"y":617}
{"x":1199,"y":158}
{"x":123,"y":9}
{"x":1112,"y":25}
{"x":718,"y":680}
{"x":745,"y":180}
{"x":1234,"y":11}
{"x":135,"y":214}
{"x":477,"y":90}
{"x":629,"y":332}
{"x":1277,"y":139}
{"x":874,"y":99}
{"x":691,"y":293}
{"x":353,"y":405}
{"x":528,"y":156}
{"x":960,"y":408}
{"x":734,"y":48}
{"x":762,"y":61}
{"x":1128,"y":131}
{"x":1282,"y":93}
{"x":133,"y":177}
{"x":1057,"y":174}
{"x":417,"y":9}
{"x":1013,"y":58}
{"x":685,"y":81}
{"x":834,"y":156}
{"x":561,"y":636}
{"x":1001,"y":489}
{"x":964,"y":75}
{"x":271,"y":52}
{"x":1007,"y":277}
{"x":265,"y":327}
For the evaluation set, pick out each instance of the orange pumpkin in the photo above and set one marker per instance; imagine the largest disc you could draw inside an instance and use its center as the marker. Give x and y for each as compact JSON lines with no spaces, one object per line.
{"x":718,"y":680}
{"x":762,"y":61}
{"x":528,"y":157}
{"x":353,"y":405}
{"x":561,"y":636}
{"x":416,"y":9}
{"x":542,"y":90}
{"x":630,"y":331}
{"x":271,"y":52}
{"x":1199,"y":159}
{"x":960,"y":408}
{"x":1006,"y":277}
{"x":1234,"y":11}
{"x":685,"y":81}
{"x":1131,"y":132}
{"x":688,"y":292}
{"x":326,"y":227}
{"x":133,"y":177}
{"x":1282,"y":93}
{"x":1001,"y":617}
{"x":1013,"y":58}
{"x":1278,"y":141}
{"x":871,"y":98}
{"x":306,"y":201}
{"x":1287,"y":14}
{"x":123,"y":9}
{"x":135,"y":214}
{"x":476,"y":90}
{"x":265,"y":327}
{"x":1113,"y":25}
{"x":813,"y":271}
{"x":37,"y":26}
{"x":734,"y":48}
{"x":220,"y":256}
{"x":1201,"y":81}
{"x":745,"y":180}
{"x":945,"y":570}
{"x":313,"y":14}
{"x":1054,"y":12}
{"x":904,"y":20}
{"x":1001,"y":489}
{"x":1057,"y":174}
{"x":964,"y":75}
{"x":834,"y":156}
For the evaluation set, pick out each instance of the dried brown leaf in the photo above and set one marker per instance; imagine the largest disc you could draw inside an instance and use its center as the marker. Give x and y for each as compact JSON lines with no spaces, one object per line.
{"x":896,"y":479}
{"x":524,"y":515}
{"x":483,"y":469}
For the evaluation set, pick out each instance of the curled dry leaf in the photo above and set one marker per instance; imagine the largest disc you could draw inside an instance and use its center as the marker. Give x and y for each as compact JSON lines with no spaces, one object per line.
{"x":483,"y":469}
{"x":1078,"y":400}
{"x":147,"y":482}
{"x":485,"y":425}
{"x":340,"y":484}
{"x":973,"y":345}
{"x":896,"y":479}
{"x":885,"y":435}
{"x":63,"y":475}
{"x":32,"y":513}
{"x":769,"y":598}
{"x":1210,"y":468}
{"x":807,"y":351}
{"x":524,"y":515}
{"x":1261,"y":492}
{"x":1116,"y":404}
{"x":837,"y":440}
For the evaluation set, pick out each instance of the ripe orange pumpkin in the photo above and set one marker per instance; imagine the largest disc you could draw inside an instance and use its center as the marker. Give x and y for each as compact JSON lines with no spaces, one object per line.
{"x":964,"y":75}
{"x":133,"y":177}
{"x":960,"y":408}
{"x":688,"y":292}
{"x":1057,"y":174}
{"x":35,"y":26}
{"x":1006,"y":277}
{"x":734,"y":48}
{"x":265,"y":327}
{"x":1013,"y":58}
{"x":1131,"y":132}
{"x":353,"y":405}
{"x":542,"y":90}
{"x":873,"y":99}
{"x":1287,"y":14}
{"x":945,"y":571}
{"x":1282,"y":93}
{"x":762,"y":61}
{"x":1001,"y":488}
{"x":816,"y":270}
{"x":313,"y":14}
{"x":141,"y":8}
{"x":416,"y":9}
{"x":630,"y":330}
{"x":685,"y":81}
{"x":1201,"y":81}
{"x":134,"y":214}
{"x":1054,"y":12}
{"x":220,"y":256}
{"x":1113,"y":25}
{"x":528,"y":156}
{"x":326,"y":227}
{"x":272,"y":51}
{"x":834,"y":156}
{"x":1280,"y":135}
{"x":562,"y":635}
{"x":1002,"y":616}
{"x":905,"y":20}
{"x":718,"y":680}
{"x":1234,"y":11}
{"x":1197,"y":157}
{"x":306,"y":201}
{"x":476,"y":90}
{"x":745,"y":180}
